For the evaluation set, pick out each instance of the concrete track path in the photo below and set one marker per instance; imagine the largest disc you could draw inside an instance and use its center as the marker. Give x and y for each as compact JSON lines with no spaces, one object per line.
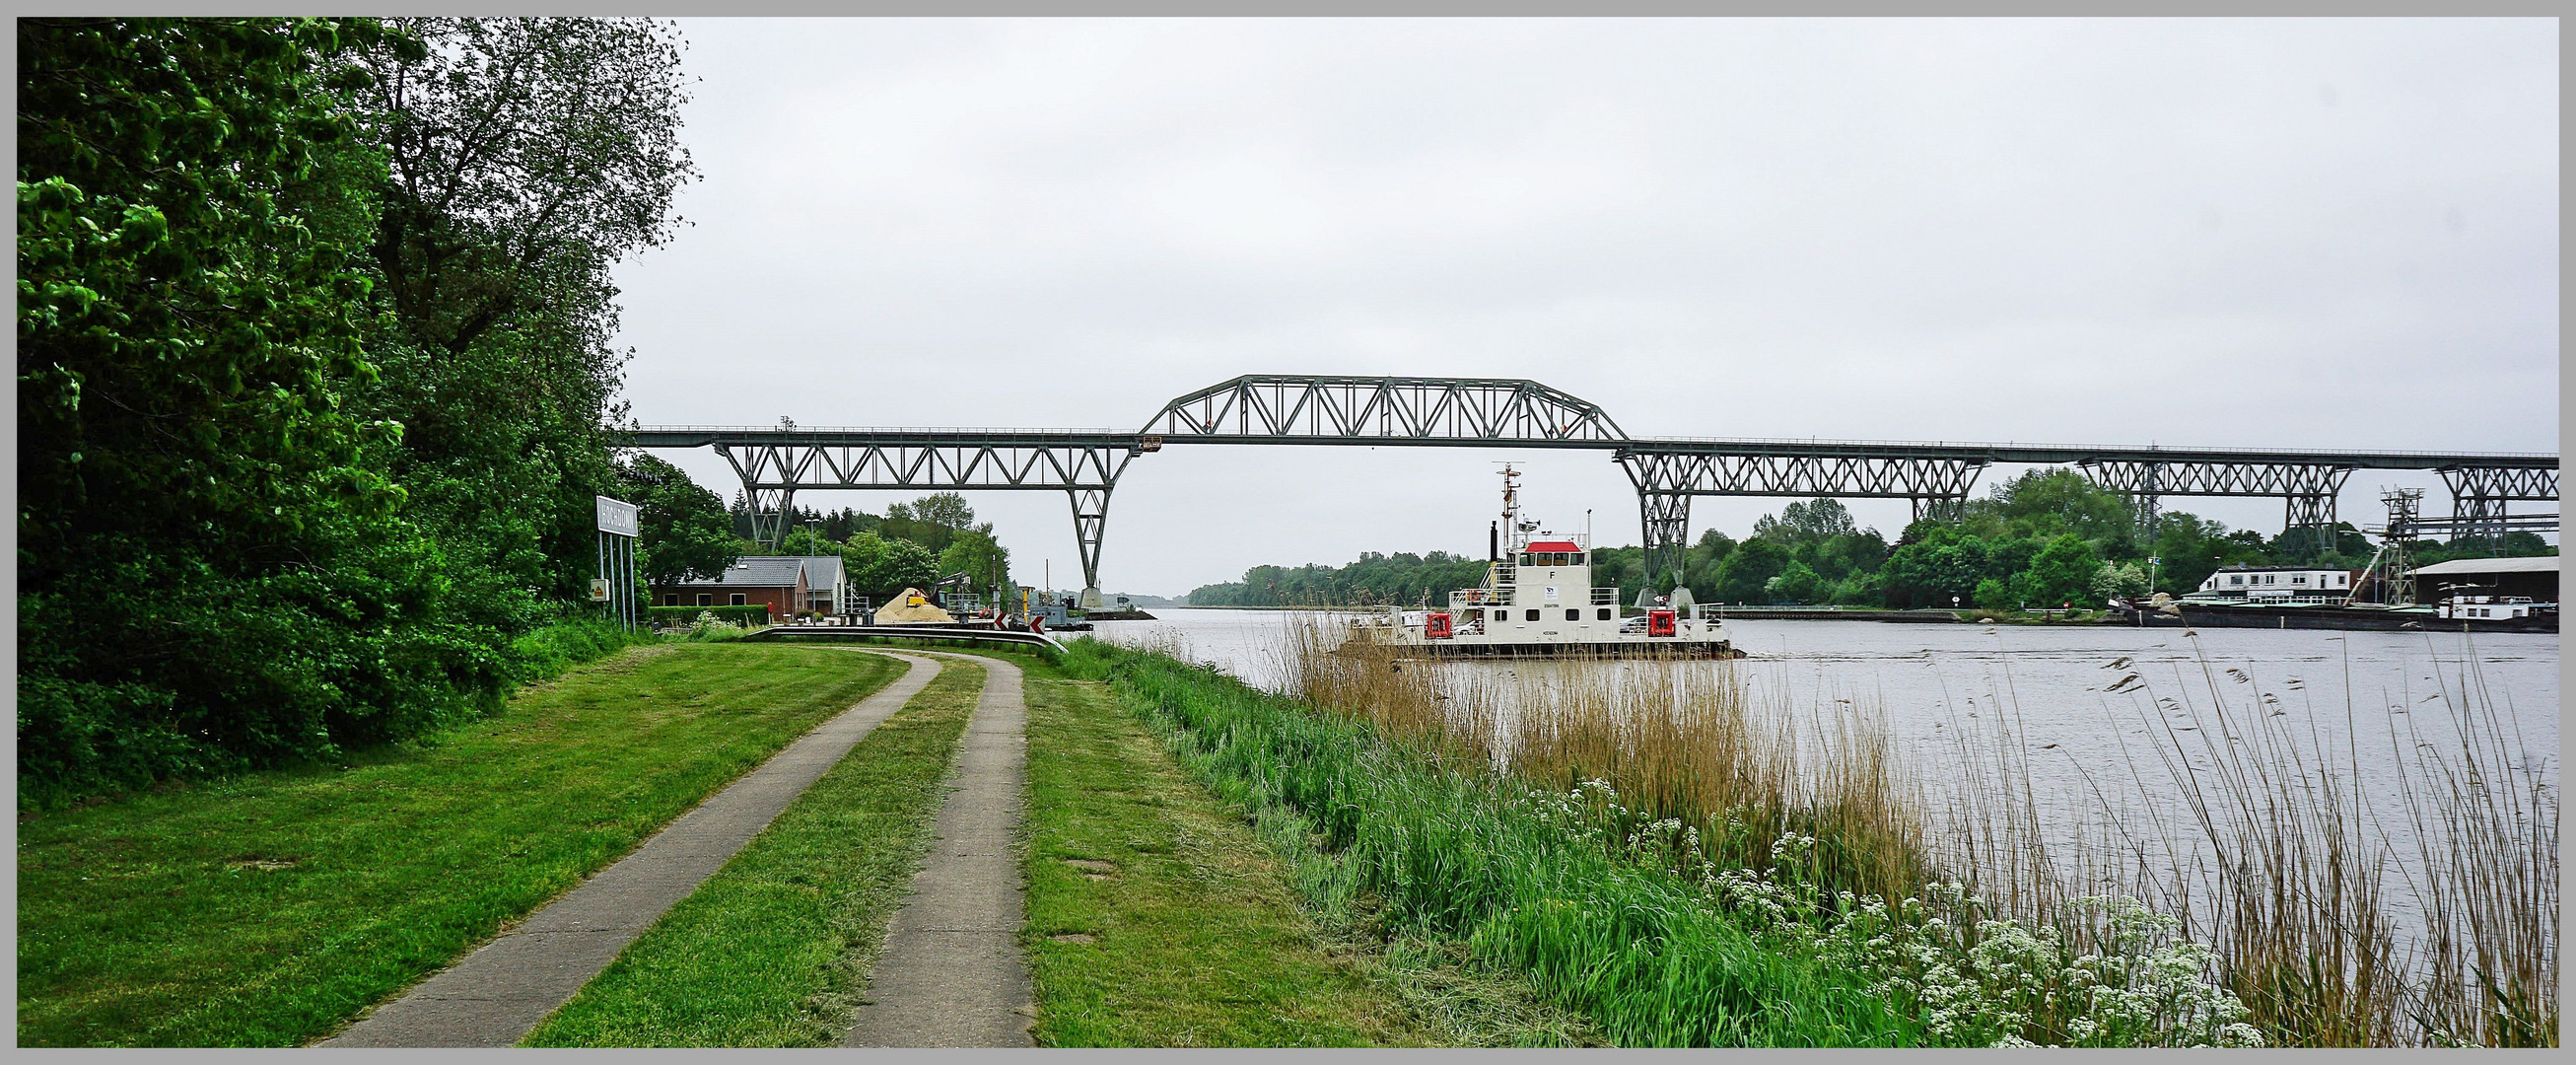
{"x":496,"y":994}
{"x":951,"y":974}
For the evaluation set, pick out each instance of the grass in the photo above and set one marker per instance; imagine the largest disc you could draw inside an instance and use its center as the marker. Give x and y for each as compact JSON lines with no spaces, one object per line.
{"x":1155,"y":916}
{"x":267,"y":909}
{"x":770,"y":951}
{"x":1441,"y":853}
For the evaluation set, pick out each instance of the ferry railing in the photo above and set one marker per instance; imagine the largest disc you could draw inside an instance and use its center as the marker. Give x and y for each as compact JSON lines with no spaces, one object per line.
{"x":1605,"y":596}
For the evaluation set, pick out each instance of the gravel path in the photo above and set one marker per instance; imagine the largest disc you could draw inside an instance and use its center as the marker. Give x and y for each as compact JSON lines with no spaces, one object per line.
{"x":951,"y":974}
{"x":496,"y":994}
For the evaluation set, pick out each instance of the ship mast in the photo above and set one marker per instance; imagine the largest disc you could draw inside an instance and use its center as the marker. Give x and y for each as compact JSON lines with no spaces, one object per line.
{"x":1515,"y":531}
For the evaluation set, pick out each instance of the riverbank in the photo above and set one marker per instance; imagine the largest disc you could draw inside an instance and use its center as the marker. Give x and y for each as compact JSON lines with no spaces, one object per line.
{"x":1682,"y":763}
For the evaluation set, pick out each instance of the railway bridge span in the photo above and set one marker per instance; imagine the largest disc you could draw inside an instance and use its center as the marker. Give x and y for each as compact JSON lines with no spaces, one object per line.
{"x":775,"y":464}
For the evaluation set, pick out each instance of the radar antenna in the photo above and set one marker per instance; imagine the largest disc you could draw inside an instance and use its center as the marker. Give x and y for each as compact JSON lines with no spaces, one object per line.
{"x":1517,"y":529}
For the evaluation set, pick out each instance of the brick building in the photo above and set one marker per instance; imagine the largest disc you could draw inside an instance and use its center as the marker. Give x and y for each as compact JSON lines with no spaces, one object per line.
{"x":775,"y":581}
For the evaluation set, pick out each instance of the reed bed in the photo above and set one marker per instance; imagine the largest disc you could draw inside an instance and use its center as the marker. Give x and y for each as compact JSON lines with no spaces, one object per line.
{"x":2239,"y":843}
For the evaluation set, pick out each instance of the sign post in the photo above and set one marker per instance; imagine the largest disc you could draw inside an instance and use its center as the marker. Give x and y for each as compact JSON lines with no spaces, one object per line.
{"x":615,"y":586}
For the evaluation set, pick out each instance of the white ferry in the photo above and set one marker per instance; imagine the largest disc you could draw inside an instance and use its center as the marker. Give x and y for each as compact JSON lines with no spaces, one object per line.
{"x":1538,"y":600}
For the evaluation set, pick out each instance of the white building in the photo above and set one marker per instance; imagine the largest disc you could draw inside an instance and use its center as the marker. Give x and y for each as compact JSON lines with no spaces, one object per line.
{"x":2275,"y":584}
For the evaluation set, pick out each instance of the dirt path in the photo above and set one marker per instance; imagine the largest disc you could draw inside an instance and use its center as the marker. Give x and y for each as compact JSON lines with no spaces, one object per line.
{"x":951,"y":974}
{"x":497,"y":993}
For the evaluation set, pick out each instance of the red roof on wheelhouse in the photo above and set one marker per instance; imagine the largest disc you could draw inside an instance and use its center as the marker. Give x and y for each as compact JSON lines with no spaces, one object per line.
{"x":1552,"y":545}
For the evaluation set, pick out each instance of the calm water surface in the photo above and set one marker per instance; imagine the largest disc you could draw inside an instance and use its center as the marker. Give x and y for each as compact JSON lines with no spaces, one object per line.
{"x":2066,"y":700}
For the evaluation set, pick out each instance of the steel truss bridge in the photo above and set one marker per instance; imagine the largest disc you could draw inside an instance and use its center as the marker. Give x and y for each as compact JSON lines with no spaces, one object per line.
{"x":1085,"y":464}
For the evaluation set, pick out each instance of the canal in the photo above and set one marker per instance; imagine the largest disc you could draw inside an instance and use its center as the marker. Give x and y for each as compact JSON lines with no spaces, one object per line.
{"x":2106,"y":722}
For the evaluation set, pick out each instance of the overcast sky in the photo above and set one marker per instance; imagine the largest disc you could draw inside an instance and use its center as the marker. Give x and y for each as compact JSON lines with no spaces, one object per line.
{"x":2296,"y":233}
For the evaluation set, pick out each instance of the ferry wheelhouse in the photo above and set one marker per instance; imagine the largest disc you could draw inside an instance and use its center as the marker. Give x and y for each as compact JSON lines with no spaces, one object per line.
{"x":1537,"y":600}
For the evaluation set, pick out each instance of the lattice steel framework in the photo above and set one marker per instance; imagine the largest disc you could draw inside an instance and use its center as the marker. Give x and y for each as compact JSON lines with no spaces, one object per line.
{"x":775,"y":463}
{"x":1667,"y":475}
{"x":1492,"y":412}
{"x":1422,"y":411}
{"x":2307,"y":489}
{"x":2479,"y":494}
{"x":1666,"y":517}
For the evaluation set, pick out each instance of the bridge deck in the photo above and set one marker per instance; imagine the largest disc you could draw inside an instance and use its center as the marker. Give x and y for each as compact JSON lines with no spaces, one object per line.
{"x":662,"y":436}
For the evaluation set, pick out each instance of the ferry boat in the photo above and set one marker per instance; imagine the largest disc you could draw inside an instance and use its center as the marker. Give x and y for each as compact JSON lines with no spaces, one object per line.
{"x":1538,"y":600}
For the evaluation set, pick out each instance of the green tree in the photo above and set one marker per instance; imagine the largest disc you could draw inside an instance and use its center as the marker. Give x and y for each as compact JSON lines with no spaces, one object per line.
{"x":2119,"y":580}
{"x":975,"y":553}
{"x":879,"y":566}
{"x":524,"y":158}
{"x":1809,"y":521}
{"x":685,"y":532}
{"x":932,"y":521}
{"x":1994,"y":594}
{"x":2049,"y":502}
{"x":1929,"y":571}
{"x":1746,"y":574}
{"x":2062,"y":573}
{"x":1700,"y":563}
{"x":1795,"y":584}
{"x":213,"y":568}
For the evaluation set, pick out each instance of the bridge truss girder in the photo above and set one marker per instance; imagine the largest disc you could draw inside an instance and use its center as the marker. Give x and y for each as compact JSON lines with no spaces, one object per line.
{"x":775,"y":464}
{"x":1435,"y":411}
{"x":1666,"y":479}
{"x":2308,"y":490}
{"x":2479,"y":494}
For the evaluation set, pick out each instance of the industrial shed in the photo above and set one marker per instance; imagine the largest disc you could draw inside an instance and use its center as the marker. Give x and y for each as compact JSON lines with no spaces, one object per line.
{"x":2536,"y":578}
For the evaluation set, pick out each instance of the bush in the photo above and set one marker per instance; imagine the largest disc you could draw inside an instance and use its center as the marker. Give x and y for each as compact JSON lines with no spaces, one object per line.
{"x":684,"y":616}
{"x":549,"y":651}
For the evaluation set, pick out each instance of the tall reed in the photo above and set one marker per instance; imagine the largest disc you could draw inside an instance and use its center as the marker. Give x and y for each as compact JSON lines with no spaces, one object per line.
{"x":1676,"y":739}
{"x":2250,"y":824}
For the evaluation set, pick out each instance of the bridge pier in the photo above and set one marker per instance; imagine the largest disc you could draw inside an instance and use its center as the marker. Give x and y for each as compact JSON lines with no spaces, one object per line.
{"x":2479,"y":495}
{"x":771,"y":511}
{"x":1941,"y":507}
{"x":1666,"y":517}
{"x":1090,"y":520}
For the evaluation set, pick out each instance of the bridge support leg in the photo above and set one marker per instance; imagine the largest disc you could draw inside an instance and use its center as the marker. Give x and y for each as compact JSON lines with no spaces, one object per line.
{"x":771,"y":508}
{"x":2478,"y":500}
{"x":1938,"y":508}
{"x":1666,"y":517}
{"x":2145,"y":502}
{"x":1090,"y":518}
{"x":771,"y":511}
{"x":2313,"y":515}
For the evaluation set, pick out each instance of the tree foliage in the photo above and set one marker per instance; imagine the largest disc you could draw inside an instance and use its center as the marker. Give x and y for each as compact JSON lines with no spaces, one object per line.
{"x":213,"y":567}
{"x":882,"y":566}
{"x":685,"y":533}
{"x":293,"y":480}
{"x":523,"y":158}
{"x":1401,"y":579}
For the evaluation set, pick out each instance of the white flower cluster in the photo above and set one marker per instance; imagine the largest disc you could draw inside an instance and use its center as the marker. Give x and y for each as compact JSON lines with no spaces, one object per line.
{"x":1980,"y":979}
{"x":1977,"y":979}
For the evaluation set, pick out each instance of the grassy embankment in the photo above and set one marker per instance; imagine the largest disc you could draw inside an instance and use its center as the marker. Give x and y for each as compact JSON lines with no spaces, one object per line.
{"x":771,"y":949}
{"x":1429,"y":852}
{"x":266,"y":909}
{"x":1159,"y":917}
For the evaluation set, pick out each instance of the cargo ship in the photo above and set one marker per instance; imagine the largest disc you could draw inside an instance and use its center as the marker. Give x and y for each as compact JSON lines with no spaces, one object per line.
{"x":1537,"y":600}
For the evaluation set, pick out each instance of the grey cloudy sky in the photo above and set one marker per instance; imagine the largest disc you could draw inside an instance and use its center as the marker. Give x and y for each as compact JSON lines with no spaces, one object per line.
{"x":2294,"y":233}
